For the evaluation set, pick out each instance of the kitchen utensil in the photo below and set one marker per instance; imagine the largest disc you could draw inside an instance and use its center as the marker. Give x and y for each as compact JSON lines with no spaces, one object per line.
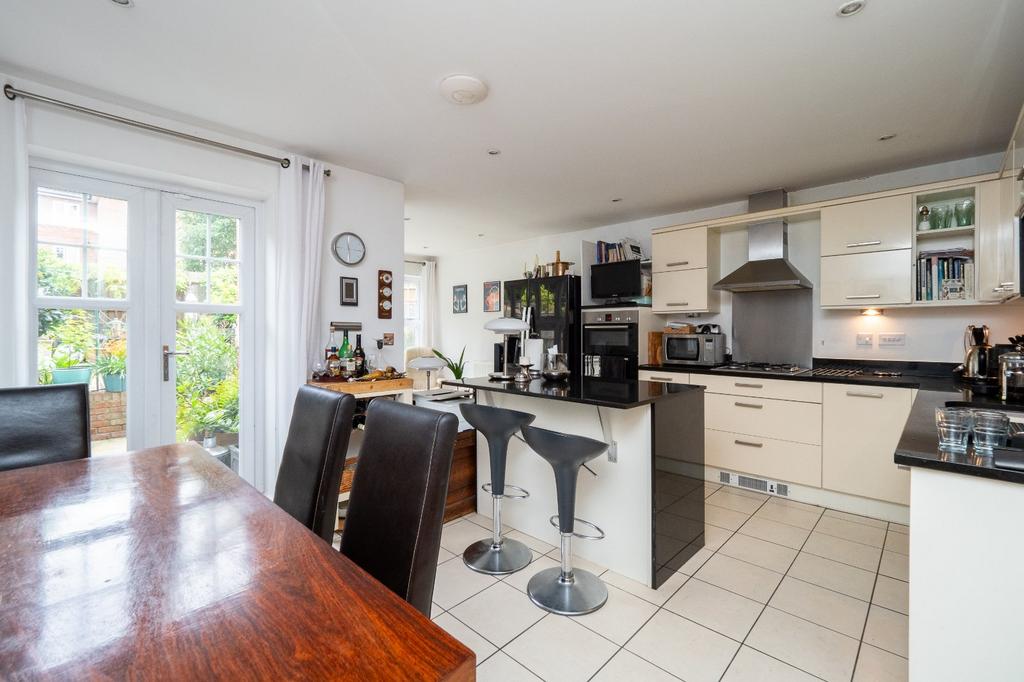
{"x":977,"y":352}
{"x":559,"y":267}
{"x":1011,"y":376}
{"x":556,"y":367}
{"x":990,"y":429}
{"x":523,"y":377}
{"x":954,"y":425}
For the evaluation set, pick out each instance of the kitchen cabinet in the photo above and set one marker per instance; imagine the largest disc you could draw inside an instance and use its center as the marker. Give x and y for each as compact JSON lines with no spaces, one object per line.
{"x":998,"y":248}
{"x":664,"y":377}
{"x":764,"y":457}
{"x":683,"y":291}
{"x":779,"y":419}
{"x":861,"y":427}
{"x":679,"y":250}
{"x":867,"y":226}
{"x":865,"y":280}
{"x":757,"y":387}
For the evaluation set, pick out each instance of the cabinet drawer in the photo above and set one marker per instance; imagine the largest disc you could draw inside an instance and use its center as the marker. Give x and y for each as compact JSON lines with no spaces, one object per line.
{"x":866,"y":280}
{"x":862,"y":426}
{"x":862,"y":226}
{"x":779,"y":419}
{"x":764,"y":457}
{"x":682,"y":291}
{"x":664,"y":377}
{"x":679,"y":250}
{"x":780,"y":389}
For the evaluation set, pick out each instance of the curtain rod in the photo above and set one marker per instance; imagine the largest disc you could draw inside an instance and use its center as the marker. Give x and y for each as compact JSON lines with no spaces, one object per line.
{"x":11,"y":92}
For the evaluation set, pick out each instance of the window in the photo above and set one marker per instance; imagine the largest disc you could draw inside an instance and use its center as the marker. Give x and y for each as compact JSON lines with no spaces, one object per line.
{"x":413,"y":292}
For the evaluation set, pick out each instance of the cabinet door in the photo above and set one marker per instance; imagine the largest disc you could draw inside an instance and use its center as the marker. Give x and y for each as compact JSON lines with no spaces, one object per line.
{"x":867,"y":279}
{"x":664,"y":376}
{"x":998,"y":277}
{"x":683,"y":291}
{"x":679,"y":250}
{"x":861,"y":426}
{"x":766,"y":457}
{"x":863,"y":226}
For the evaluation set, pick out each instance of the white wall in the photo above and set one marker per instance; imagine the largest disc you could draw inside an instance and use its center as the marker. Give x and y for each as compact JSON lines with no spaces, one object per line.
{"x":932,"y":334}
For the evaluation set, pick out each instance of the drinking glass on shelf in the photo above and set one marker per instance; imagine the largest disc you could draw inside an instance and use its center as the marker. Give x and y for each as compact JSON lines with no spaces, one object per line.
{"x":964,"y":212}
{"x":939,"y":217}
{"x":954,"y":425}
{"x":991,"y":429}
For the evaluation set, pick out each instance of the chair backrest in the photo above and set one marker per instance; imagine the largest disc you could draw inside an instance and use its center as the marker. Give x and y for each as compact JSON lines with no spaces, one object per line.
{"x":396,"y":508}
{"x":313,"y":458}
{"x":43,"y":424}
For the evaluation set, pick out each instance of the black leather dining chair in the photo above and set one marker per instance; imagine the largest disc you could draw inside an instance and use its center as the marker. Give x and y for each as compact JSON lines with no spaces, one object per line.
{"x":313,"y":458}
{"x":43,"y":424}
{"x":396,"y":507}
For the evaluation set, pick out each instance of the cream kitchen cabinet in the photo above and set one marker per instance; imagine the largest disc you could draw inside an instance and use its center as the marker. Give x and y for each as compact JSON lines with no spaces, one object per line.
{"x":684,"y":265}
{"x":865,"y":280}
{"x":779,"y":419}
{"x":861,"y":427}
{"x":664,"y":377}
{"x":763,"y":457}
{"x":867,"y":226}
{"x":679,"y":250}
{"x":997,"y":259}
{"x":684,"y":291}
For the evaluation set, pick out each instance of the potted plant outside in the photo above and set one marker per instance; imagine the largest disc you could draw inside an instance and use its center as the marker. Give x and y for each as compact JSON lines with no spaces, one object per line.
{"x":112,"y":366}
{"x":69,"y":366}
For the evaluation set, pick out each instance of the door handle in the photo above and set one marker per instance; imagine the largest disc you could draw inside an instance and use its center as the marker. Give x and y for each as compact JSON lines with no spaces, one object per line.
{"x":678,"y":262}
{"x":167,"y":353}
{"x":749,"y":443}
{"x":677,"y":304}
{"x":668,"y":379}
{"x":752,"y":406}
{"x":863,"y":296}
{"x":873,"y":242}
{"x":742,"y":385}
{"x":858,"y":394}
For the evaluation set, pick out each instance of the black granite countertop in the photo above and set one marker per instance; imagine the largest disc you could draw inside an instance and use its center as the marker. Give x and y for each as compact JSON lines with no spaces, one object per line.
{"x":919,"y":445}
{"x":586,"y":390}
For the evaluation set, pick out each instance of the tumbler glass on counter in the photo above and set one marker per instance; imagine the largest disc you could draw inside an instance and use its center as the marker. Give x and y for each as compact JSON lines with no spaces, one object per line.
{"x":991,"y":429}
{"x":954,"y":425}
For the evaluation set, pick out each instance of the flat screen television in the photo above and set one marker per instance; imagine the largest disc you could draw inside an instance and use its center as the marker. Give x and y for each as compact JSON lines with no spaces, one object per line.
{"x":616,"y":280}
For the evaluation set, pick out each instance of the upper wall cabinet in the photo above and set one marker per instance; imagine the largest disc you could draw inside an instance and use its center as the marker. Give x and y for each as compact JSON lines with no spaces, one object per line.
{"x":867,"y":226}
{"x":998,"y":262}
{"x":684,"y":264}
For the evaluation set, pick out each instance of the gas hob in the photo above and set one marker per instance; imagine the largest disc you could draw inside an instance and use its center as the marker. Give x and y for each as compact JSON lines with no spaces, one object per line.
{"x":781,"y":368}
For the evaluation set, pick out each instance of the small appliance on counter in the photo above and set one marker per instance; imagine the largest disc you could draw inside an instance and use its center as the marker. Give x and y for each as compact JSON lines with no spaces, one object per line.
{"x":1011,"y":371}
{"x":982,"y":370}
{"x":705,"y":347}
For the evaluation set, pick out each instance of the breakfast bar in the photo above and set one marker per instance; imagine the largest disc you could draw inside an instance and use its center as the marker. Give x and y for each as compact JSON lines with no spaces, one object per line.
{"x":646,"y":492}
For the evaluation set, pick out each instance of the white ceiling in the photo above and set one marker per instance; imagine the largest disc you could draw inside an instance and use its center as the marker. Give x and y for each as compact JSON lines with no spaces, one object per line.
{"x":668,"y":104}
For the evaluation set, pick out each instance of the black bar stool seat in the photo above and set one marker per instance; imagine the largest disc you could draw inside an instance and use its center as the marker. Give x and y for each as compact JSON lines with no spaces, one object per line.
{"x":564,"y":590}
{"x":497,"y":555}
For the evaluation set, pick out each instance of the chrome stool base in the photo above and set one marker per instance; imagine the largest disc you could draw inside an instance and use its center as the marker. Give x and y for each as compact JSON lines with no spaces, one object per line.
{"x":508,"y":557}
{"x":584,"y":594}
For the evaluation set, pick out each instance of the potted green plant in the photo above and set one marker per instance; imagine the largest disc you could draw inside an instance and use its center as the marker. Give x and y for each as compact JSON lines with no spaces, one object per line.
{"x":69,"y":366}
{"x":208,"y":423}
{"x":456,"y":368}
{"x":112,"y":365}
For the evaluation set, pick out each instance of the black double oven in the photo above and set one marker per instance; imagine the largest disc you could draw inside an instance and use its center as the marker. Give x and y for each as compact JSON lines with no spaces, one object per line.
{"x":611,"y":344}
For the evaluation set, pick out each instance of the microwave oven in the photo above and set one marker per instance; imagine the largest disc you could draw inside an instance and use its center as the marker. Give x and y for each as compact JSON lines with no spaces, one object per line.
{"x":693,"y":349}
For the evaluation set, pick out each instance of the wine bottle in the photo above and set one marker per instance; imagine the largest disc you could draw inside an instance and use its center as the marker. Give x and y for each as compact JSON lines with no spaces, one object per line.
{"x":360,"y":356}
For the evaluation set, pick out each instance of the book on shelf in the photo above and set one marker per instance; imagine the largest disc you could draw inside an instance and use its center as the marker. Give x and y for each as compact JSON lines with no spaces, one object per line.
{"x":614,"y":252}
{"x":945,"y":275}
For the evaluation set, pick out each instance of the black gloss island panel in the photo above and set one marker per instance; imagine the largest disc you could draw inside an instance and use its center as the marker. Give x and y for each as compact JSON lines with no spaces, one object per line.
{"x":615,"y":393}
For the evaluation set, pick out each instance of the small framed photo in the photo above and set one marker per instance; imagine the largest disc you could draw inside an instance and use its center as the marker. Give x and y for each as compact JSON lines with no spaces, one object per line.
{"x":460,"y":298}
{"x":349,"y":291}
{"x":492,"y":297}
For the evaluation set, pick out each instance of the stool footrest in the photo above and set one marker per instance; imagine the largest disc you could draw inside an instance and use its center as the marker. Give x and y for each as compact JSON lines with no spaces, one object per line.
{"x":582,"y":536}
{"x":517,"y":494}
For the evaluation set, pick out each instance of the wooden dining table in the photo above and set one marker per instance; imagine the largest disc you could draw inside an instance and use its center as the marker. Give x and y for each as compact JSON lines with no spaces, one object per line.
{"x":163,"y":563}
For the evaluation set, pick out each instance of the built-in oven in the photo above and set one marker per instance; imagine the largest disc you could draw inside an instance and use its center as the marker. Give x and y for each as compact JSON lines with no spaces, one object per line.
{"x":611,"y":344}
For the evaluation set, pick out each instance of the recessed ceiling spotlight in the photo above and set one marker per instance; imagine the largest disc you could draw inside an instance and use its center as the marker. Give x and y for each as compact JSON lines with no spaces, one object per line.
{"x":886,"y":138}
{"x":124,"y":3}
{"x":406,"y":219}
{"x":616,"y":200}
{"x":463,"y":89}
{"x":494,"y":152}
{"x":479,"y":234}
{"x":850,"y":7}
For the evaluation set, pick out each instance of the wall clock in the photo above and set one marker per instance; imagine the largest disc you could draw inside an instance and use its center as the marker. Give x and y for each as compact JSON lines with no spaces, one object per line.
{"x":348,"y":248}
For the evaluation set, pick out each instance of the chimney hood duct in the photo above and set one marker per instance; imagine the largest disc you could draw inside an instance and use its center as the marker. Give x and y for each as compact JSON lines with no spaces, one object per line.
{"x":767,"y":267}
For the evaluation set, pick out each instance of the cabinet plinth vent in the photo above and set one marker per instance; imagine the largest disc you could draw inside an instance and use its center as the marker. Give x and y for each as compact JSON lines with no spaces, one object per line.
{"x":761,"y":485}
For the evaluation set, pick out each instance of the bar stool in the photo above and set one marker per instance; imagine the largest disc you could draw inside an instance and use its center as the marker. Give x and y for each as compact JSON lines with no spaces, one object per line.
{"x":498,"y":555}
{"x":563,"y":590}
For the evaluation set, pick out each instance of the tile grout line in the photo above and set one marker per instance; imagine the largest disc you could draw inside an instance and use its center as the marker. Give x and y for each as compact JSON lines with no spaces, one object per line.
{"x":863,"y":631}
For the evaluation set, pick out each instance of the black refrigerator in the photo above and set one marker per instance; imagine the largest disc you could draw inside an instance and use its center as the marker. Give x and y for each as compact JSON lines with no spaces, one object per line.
{"x":556,"y":312}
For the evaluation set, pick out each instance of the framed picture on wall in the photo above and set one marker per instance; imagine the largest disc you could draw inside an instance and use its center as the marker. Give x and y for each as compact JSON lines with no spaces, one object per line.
{"x":492,"y":297}
{"x":460,"y":298}
{"x":349,"y":291}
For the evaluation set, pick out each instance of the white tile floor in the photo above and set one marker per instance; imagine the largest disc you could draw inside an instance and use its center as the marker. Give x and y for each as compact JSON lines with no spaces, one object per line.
{"x":784,"y":591}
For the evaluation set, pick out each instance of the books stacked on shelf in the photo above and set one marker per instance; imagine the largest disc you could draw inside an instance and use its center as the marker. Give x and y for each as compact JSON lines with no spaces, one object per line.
{"x":945,"y":275}
{"x":613,"y":252}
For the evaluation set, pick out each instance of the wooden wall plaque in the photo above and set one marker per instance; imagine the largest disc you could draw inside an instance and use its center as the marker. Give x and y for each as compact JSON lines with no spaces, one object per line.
{"x":385,"y":282}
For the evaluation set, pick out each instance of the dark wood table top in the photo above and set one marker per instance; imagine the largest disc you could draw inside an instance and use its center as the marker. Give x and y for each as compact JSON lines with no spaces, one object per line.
{"x":162,"y":563}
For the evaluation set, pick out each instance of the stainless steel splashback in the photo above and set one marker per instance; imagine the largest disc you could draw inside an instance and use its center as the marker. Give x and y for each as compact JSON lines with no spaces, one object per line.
{"x":773,"y":326}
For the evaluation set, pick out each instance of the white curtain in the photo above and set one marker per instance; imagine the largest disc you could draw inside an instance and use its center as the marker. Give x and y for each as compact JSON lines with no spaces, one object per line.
{"x":16,"y":345}
{"x":295,"y":324}
{"x":428,"y":279}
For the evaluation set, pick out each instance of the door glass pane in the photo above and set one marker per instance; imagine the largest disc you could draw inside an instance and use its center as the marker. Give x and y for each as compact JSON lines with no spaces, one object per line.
{"x":206,"y":248}
{"x":82,"y":244}
{"x":89,"y":346}
{"x":206,"y":383}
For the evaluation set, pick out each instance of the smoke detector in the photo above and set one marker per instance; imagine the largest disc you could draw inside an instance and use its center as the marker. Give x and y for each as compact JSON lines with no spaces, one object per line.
{"x":463,"y":89}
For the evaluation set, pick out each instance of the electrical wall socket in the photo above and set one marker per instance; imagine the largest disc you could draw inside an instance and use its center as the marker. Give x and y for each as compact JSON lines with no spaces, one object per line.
{"x":865,"y":340}
{"x":389,"y":339}
{"x":892,"y":339}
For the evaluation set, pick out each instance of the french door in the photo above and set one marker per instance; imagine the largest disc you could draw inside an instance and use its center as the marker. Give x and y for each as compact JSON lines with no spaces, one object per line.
{"x":146,"y":296}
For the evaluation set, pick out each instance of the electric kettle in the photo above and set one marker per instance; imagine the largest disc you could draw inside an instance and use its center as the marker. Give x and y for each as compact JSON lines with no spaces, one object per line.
{"x":977,"y":353}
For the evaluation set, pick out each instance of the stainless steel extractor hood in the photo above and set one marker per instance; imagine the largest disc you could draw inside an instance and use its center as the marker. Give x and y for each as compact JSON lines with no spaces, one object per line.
{"x":767,"y":267}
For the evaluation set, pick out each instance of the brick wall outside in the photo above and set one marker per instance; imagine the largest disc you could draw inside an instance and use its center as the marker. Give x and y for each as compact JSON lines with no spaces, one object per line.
{"x":107,"y":415}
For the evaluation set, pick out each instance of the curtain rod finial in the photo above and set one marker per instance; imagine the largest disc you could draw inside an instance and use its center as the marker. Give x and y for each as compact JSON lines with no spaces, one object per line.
{"x":285,"y":163}
{"x":9,"y":92}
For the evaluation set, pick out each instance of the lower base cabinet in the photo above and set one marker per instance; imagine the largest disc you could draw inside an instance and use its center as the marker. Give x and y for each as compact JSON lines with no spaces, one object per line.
{"x":764,"y":457}
{"x":861,"y":427}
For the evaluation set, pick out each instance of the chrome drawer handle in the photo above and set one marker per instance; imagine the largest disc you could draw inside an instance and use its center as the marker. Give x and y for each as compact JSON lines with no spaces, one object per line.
{"x":863,"y":296}
{"x":750,"y":405}
{"x":742,"y":385}
{"x":678,"y":304}
{"x":668,"y":379}
{"x":858,"y":394}
{"x":678,"y":262}
{"x":748,"y":443}
{"x":1006,"y":284}
{"x":874,"y":242}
